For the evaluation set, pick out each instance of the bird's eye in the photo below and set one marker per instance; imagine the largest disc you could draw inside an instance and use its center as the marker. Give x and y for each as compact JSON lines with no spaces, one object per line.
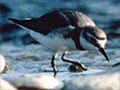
{"x":102,"y":38}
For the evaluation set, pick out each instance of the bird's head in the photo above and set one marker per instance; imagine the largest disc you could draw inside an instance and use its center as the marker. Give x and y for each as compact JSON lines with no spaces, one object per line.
{"x":93,"y":38}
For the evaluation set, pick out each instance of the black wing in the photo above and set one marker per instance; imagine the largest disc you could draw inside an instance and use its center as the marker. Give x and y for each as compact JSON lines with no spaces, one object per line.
{"x":53,"y":20}
{"x":44,"y":24}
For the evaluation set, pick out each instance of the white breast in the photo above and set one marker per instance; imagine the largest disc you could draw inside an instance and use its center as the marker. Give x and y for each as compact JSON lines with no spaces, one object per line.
{"x":54,"y":43}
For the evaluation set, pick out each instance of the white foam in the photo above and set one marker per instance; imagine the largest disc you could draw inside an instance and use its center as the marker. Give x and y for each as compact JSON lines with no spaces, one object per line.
{"x":2,"y":63}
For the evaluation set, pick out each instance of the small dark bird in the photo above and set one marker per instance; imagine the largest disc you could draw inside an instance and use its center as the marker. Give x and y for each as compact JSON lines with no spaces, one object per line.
{"x":65,"y":30}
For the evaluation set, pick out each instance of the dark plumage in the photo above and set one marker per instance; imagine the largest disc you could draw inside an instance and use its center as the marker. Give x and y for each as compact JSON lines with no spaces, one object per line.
{"x":54,"y":20}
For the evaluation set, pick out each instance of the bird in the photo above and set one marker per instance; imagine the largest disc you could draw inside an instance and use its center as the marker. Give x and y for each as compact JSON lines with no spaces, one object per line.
{"x":64,"y":31}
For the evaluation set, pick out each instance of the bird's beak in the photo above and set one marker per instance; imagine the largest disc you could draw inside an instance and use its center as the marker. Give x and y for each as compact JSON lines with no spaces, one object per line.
{"x":104,"y":53}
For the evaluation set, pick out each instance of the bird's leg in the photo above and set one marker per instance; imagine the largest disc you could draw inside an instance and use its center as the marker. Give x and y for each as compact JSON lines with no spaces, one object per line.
{"x":53,"y":63}
{"x":79,"y":65}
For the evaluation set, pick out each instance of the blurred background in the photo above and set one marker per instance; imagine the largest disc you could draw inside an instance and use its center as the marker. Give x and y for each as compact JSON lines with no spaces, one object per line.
{"x":18,"y":46}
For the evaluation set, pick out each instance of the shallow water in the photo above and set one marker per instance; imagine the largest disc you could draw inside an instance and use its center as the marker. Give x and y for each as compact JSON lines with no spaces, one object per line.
{"x":23,"y":60}
{"x":33,"y":58}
